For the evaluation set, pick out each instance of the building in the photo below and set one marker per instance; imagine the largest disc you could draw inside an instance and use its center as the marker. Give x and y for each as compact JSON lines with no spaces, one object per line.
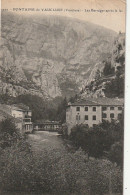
{"x":23,"y":112}
{"x":93,"y":111}
{"x":47,"y":125}
{"x":20,"y":114}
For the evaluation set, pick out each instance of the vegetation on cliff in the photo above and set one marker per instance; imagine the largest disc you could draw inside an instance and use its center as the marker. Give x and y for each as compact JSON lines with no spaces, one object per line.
{"x":109,"y":81}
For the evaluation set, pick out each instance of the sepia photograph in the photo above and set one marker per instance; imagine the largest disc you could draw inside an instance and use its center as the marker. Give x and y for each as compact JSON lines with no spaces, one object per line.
{"x":62,"y":88}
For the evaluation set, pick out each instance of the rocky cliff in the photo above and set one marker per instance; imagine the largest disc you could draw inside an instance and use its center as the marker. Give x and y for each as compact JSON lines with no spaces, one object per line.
{"x":109,"y":80}
{"x":50,"y":56}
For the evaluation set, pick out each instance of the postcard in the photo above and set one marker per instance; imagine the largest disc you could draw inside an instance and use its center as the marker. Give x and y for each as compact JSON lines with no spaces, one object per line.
{"x":62,"y":86}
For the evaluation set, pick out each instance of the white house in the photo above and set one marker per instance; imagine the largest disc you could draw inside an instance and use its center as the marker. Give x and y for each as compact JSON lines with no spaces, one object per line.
{"x":21,"y":111}
{"x":20,"y":114}
{"x":92,"y":112}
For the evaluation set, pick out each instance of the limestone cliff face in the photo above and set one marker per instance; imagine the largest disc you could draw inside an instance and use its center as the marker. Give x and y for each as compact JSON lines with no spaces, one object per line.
{"x":110,"y":84}
{"x":51,"y":56}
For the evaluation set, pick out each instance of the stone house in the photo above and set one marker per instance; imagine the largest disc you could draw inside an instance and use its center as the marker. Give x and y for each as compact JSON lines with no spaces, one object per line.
{"x":91,"y":112}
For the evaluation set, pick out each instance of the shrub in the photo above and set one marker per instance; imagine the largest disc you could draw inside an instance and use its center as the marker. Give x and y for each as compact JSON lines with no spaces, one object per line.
{"x":9,"y":134}
{"x":55,"y":171}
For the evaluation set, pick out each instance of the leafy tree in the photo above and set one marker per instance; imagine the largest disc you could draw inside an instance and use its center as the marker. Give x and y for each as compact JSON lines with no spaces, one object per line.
{"x":8,"y":133}
{"x":108,"y":70}
{"x":61,"y":111}
{"x":116,"y":153}
{"x":34,"y":172}
{"x":99,"y":139}
{"x":93,"y":140}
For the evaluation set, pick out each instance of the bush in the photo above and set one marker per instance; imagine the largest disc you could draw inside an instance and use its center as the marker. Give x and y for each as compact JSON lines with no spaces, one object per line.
{"x":116,"y":153}
{"x":55,"y":171}
{"x":99,"y":139}
{"x":8,"y":133}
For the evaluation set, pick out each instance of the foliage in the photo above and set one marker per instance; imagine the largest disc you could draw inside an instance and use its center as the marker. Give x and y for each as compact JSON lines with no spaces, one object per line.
{"x":111,"y":77}
{"x":97,"y":75}
{"x":115,"y":88}
{"x":61,"y":111}
{"x":108,"y":69}
{"x":116,"y":153}
{"x":41,"y":109}
{"x":99,"y":139}
{"x":93,"y":141}
{"x":8,"y":133}
{"x":55,"y":171}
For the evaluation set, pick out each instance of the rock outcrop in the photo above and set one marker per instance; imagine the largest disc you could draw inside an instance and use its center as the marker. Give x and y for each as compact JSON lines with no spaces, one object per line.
{"x":51,"y":56}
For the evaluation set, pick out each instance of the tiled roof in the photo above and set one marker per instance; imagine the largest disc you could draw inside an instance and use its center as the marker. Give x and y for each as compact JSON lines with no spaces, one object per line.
{"x":99,"y":101}
{"x":83,"y":103}
{"x":109,"y":101}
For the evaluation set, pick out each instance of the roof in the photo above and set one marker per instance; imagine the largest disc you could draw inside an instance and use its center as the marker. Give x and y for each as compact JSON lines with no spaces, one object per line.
{"x":110,"y":101}
{"x":20,"y":107}
{"x":47,"y":122}
{"x":99,"y":102}
{"x":5,"y":113}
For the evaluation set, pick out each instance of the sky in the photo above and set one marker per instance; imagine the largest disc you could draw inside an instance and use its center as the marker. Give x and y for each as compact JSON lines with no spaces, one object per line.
{"x":114,"y":19}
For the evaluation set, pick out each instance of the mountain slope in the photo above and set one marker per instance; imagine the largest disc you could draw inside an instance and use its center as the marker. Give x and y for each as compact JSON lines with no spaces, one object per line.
{"x":109,"y":81}
{"x":50,"y":56}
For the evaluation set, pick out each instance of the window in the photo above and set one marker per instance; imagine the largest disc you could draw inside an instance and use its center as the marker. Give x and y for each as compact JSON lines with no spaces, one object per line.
{"x":94,"y":109}
{"x":94,"y":117}
{"x":77,"y":108}
{"x":104,"y":115}
{"x":119,"y":116}
{"x":104,"y":108}
{"x":86,"y":117}
{"x":27,"y":120}
{"x":111,"y":108}
{"x":86,"y":108}
{"x":77,"y":117}
{"x":119,"y":108}
{"x":111,"y":115}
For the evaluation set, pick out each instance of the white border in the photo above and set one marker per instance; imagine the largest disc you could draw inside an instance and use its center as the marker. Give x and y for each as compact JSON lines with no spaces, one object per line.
{"x":126,"y":186}
{"x":127,"y":107}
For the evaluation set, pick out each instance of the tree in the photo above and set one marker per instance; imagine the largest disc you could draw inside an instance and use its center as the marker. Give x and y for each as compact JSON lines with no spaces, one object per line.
{"x":8,"y":133}
{"x":93,"y":141}
{"x":61,"y":111}
{"x":98,"y":139}
{"x":107,"y":70}
{"x":97,"y":75}
{"x":116,"y":153}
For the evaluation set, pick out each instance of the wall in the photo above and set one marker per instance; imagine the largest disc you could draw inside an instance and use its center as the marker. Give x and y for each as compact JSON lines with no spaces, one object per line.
{"x":17,"y":114}
{"x":115,"y":112}
{"x":71,"y":116}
